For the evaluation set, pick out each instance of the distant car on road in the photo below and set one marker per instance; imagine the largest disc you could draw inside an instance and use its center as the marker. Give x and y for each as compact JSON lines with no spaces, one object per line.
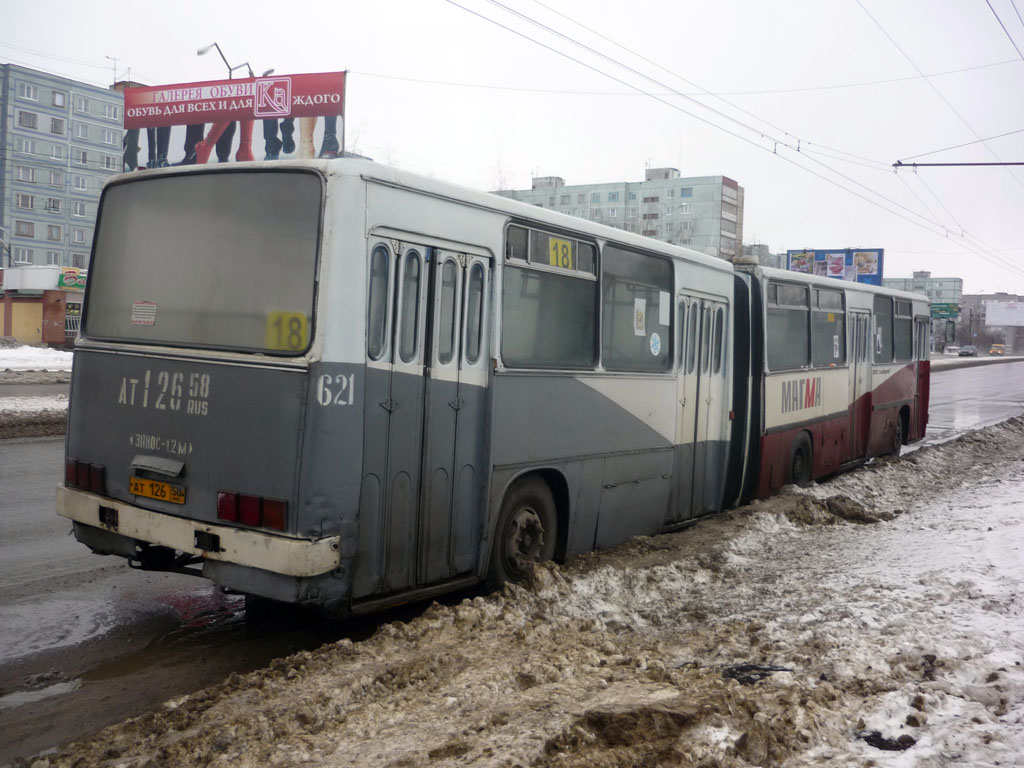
{"x":997,"y":349}
{"x":968,"y":350}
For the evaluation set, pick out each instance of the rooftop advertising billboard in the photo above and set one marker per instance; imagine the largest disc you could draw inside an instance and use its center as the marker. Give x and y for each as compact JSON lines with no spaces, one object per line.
{"x":1003,"y":313}
{"x":189,"y":123}
{"x":861,"y":265}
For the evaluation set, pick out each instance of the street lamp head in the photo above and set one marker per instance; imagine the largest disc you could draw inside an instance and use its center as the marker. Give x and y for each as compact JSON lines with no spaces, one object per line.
{"x":268,"y":73}
{"x":205,"y":49}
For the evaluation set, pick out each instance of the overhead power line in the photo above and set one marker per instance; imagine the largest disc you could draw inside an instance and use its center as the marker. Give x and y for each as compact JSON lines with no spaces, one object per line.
{"x":919,"y":220}
{"x":899,"y":164}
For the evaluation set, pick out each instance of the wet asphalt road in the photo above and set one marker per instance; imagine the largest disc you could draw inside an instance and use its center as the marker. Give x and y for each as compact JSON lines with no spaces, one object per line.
{"x":85,"y":641}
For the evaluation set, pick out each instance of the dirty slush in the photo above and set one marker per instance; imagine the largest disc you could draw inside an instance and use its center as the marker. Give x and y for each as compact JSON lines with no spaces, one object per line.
{"x":795,"y":631}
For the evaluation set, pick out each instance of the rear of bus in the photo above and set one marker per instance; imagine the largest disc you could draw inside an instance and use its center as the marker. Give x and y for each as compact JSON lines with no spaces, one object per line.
{"x":192,"y":378}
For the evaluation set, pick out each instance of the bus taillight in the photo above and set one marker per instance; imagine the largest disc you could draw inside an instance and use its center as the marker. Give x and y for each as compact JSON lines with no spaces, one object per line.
{"x":248,"y":509}
{"x":275,"y":513}
{"x":88,"y":477}
{"x":227,"y":506}
{"x":252,"y":510}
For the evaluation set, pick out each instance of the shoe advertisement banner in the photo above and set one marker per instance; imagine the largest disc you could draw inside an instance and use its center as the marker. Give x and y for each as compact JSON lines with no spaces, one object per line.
{"x":258,"y":118}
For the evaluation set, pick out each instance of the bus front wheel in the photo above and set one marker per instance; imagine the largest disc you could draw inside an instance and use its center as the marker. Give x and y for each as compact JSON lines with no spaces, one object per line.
{"x":526,"y":532}
{"x":800,"y":460}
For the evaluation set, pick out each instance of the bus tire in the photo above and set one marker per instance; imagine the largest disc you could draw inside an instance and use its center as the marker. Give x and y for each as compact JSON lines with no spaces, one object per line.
{"x":801,"y":460}
{"x":526,"y":532}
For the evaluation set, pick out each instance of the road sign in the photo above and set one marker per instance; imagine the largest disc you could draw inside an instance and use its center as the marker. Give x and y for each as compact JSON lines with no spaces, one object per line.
{"x":941,"y":310}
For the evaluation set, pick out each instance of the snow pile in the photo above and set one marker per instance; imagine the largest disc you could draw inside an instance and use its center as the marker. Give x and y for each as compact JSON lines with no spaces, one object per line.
{"x":23,"y":358}
{"x":791,"y":632}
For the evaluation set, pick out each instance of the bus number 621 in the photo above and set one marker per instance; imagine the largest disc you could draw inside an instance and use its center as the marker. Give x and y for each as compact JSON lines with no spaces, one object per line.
{"x":336,"y":390}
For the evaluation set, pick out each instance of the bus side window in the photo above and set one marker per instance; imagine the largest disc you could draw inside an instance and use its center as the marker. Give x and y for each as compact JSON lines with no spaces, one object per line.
{"x":718,"y":343}
{"x":474,"y":313}
{"x":408,"y":343}
{"x":883,"y":329}
{"x":446,"y":333}
{"x":828,"y":328}
{"x":705,"y":341}
{"x":903,"y":324}
{"x":691,"y":338}
{"x":788,"y":330}
{"x":377,"y":306}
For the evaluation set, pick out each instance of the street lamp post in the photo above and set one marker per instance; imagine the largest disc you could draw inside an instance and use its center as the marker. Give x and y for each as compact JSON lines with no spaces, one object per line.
{"x":204,"y":147}
{"x":206,"y":49}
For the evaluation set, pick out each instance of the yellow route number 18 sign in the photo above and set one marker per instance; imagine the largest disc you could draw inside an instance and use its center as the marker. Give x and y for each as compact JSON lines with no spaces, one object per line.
{"x":286,"y":331}
{"x":560,"y":253}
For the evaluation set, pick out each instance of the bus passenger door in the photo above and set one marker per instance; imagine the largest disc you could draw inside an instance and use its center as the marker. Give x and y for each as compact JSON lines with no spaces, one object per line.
{"x":455,"y":413}
{"x":860,"y":387}
{"x":393,"y":418}
{"x":688,"y":423}
{"x":713,"y":412}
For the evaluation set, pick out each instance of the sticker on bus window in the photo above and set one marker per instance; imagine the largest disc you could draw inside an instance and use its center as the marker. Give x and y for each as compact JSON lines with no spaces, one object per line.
{"x":286,"y":331}
{"x":639,"y":317}
{"x":655,"y":344}
{"x":560,"y":253}
{"x":143,"y":313}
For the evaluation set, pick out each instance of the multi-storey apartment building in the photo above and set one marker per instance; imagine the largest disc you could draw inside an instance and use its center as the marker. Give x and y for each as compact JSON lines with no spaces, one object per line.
{"x":59,"y":141}
{"x":704,"y":213}
{"x":939,"y":290}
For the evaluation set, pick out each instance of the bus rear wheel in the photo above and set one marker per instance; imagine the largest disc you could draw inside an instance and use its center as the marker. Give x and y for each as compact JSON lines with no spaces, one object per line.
{"x":800,"y":460}
{"x":526,"y":532}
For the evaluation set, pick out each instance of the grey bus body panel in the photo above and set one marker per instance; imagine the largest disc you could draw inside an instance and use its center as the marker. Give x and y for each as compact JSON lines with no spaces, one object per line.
{"x":127,"y":406}
{"x":601,"y":433}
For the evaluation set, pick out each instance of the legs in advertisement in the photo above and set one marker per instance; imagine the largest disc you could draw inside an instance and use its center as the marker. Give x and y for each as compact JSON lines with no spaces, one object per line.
{"x":158,"y":140}
{"x":306,"y":149}
{"x":131,"y":149}
{"x":329,"y":147}
{"x":193,"y":135}
{"x":274,"y":146}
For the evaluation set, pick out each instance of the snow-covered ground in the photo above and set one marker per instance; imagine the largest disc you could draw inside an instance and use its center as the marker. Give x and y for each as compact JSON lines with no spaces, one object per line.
{"x":874,"y":620}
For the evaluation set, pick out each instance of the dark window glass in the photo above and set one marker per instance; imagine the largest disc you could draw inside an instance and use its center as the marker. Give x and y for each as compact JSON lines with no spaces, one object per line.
{"x":705,"y":341}
{"x":903,"y":338}
{"x":408,"y":344}
{"x":376,"y":324}
{"x":883,"y":329}
{"x":516,"y":240}
{"x":788,"y":332}
{"x":226,"y":260}
{"x":547,"y":319}
{"x":637,"y":294}
{"x":446,"y":331}
{"x":691,"y":338}
{"x":829,"y":299}
{"x":719,"y":337}
{"x":792,"y":295}
{"x":828,"y":338}
{"x":474,"y":312}
{"x":586,"y":258}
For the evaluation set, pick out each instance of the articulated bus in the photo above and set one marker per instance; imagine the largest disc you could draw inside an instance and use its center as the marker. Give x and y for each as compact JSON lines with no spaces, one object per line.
{"x":338,"y":384}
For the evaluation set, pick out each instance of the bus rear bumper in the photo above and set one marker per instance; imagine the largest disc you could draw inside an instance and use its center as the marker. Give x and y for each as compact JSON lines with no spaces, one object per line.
{"x":301,"y":558}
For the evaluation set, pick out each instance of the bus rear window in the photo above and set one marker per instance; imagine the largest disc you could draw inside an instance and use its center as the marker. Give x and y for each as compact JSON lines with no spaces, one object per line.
{"x":220,"y":260}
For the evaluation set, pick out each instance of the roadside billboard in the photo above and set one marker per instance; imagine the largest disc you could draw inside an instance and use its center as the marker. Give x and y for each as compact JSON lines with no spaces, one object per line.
{"x":861,"y":265}
{"x":1003,"y":313}
{"x":256,"y":118}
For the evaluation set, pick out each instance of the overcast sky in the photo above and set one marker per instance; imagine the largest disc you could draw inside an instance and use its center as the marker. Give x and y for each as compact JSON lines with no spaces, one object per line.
{"x":437,"y":86}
